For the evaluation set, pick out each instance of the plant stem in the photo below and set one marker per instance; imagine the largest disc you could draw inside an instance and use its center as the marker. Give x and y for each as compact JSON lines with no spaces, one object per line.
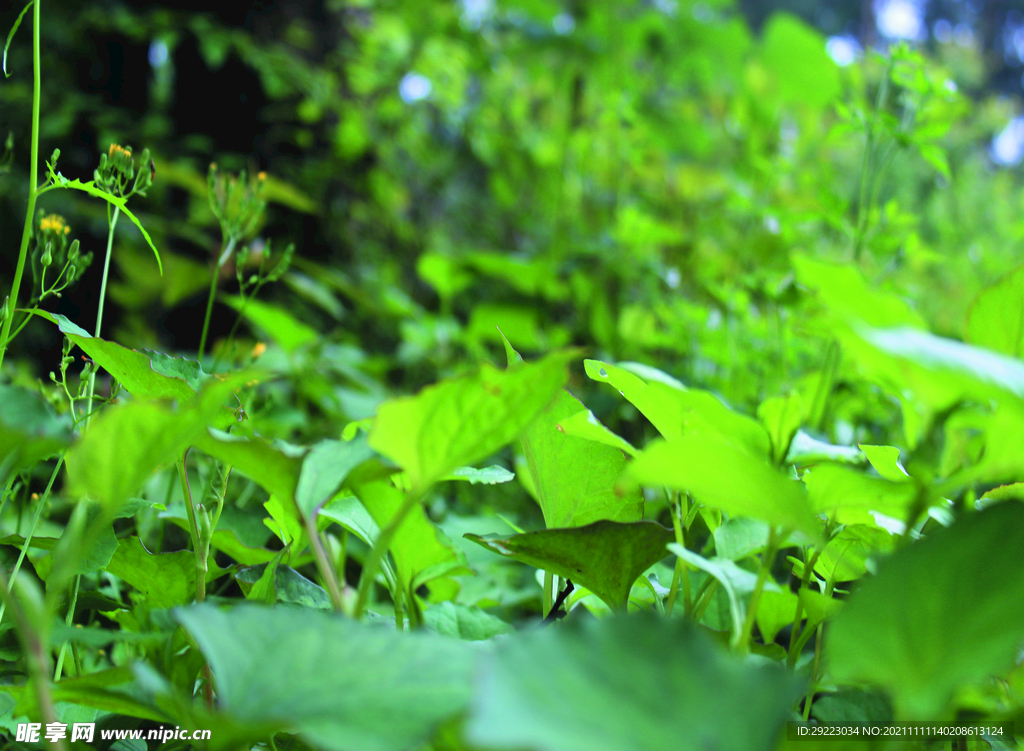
{"x":323,"y":563}
{"x":68,"y":619}
{"x":33,"y":179}
{"x":99,"y":311}
{"x":31,"y":530}
{"x":193,"y":528}
{"x":767,"y":561}
{"x":228,"y":247}
{"x":866,"y":169}
{"x":380,"y":549}
{"x":548,"y":601}
{"x":682,"y":571}
{"x":35,"y":656}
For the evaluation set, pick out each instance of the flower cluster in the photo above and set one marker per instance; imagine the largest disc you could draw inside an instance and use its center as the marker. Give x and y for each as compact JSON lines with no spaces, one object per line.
{"x":236,"y":201}
{"x":51,"y":249}
{"x":116,"y":173}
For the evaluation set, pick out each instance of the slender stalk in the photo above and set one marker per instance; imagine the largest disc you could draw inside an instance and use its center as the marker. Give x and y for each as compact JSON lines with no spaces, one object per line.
{"x":380,"y":549}
{"x":866,"y":169}
{"x":767,"y":561}
{"x":35,"y":656}
{"x":682,"y":570}
{"x":31,"y":530}
{"x":99,"y":311}
{"x":68,"y":619}
{"x":193,"y":528}
{"x":548,"y":600}
{"x":323,"y":563}
{"x":33,"y":181}
{"x":229,"y":246}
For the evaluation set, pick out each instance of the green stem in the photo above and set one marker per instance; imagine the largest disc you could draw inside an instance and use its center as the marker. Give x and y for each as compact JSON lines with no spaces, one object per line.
{"x":99,"y":311}
{"x":193,"y":528}
{"x":31,"y":530}
{"x":35,"y":656}
{"x":380,"y":549}
{"x":548,"y":601}
{"x":225,"y":254}
{"x":767,"y":561}
{"x":681,"y":574}
{"x":863,"y":207}
{"x":33,"y":179}
{"x":323,"y":563}
{"x":68,"y":619}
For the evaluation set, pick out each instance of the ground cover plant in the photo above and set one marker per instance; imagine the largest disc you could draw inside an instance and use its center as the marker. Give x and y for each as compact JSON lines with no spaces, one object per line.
{"x":657,"y":402}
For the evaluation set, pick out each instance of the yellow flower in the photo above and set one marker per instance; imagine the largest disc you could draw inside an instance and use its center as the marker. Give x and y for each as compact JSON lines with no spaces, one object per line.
{"x":54,"y":223}
{"x":258,"y":350}
{"x":115,"y":149}
{"x":261,"y":176}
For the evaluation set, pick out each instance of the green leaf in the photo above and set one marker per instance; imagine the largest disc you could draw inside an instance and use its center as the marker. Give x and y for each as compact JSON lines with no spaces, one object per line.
{"x":606,"y":557}
{"x":583,"y":424}
{"x":795,"y":54}
{"x":805,"y":451}
{"x":852,"y":497}
{"x":10,"y":34}
{"x":457,"y":422}
{"x":59,"y":182}
{"x":848,"y":296}
{"x":625,"y":684}
{"x":420,"y":549}
{"x":675,"y":410}
{"x":719,"y":474}
{"x":30,"y":431}
{"x":464,"y":622}
{"x":282,"y":584}
{"x":781,"y":417}
{"x":737,"y":582}
{"x":740,"y":537}
{"x":350,"y":513}
{"x":996,"y":319}
{"x":347,"y":685}
{"x":276,"y":323}
{"x":573,"y":478}
{"x":493,"y":475}
{"x":152,"y":376}
{"x":274,"y":470}
{"x":164,"y":579}
{"x":938,"y":371}
{"x":124,"y":445}
{"x":938,"y":614}
{"x":886,"y":461}
{"x":846,"y":555}
{"x":325,"y":468}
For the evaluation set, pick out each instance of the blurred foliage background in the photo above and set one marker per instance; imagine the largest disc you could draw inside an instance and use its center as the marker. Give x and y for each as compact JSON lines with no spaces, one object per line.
{"x":635,"y":178}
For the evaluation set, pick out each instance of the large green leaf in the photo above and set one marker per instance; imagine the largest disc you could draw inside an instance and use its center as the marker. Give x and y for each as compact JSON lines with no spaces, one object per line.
{"x":340,"y":684}
{"x":458,"y":422}
{"x":938,"y":371}
{"x":737,"y":582}
{"x":720,"y":474}
{"x":996,"y":320}
{"x":941,"y":613}
{"x":325,"y":468}
{"x":676,"y":410}
{"x":273,"y":469}
{"x":30,"y":431}
{"x":165,"y":579}
{"x":632,"y":683}
{"x":421,"y":551}
{"x":795,"y":54}
{"x":147,"y":377}
{"x":583,"y":424}
{"x":573,"y":478}
{"x":852,"y":497}
{"x":274,"y":322}
{"x":606,"y":557}
{"x":123,"y":447}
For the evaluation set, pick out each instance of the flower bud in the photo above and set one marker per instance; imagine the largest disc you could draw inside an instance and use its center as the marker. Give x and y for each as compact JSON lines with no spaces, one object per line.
{"x":73,"y":251}
{"x":47,"y":258}
{"x":54,"y":157}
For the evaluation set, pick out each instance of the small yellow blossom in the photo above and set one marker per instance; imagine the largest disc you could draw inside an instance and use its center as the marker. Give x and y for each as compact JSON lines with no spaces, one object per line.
{"x":262,"y":176}
{"x":258,"y":350}
{"x":115,"y":149}
{"x":54,"y":223}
